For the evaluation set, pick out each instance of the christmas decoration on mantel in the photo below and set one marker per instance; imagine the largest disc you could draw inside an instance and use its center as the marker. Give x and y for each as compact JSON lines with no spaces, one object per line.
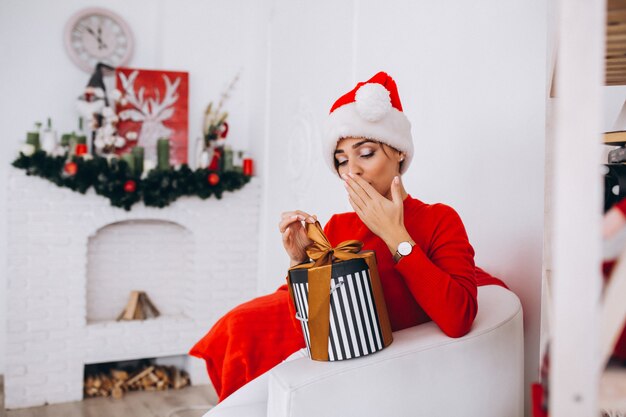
{"x":116,"y":180}
{"x":211,"y":150}
{"x":126,"y":179}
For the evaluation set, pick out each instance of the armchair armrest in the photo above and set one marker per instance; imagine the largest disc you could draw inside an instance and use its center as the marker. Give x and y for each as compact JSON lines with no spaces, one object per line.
{"x":423,"y":372}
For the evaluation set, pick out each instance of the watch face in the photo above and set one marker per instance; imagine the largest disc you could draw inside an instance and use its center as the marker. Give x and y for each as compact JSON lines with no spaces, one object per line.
{"x":98,"y":35}
{"x":404,"y":248}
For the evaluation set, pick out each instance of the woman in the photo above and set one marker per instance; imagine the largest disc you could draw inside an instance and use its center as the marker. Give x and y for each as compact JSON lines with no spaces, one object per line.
{"x":425,"y":262}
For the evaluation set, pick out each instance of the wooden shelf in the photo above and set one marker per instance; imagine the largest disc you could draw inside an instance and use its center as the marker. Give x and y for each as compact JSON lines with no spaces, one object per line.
{"x":615,"y":53}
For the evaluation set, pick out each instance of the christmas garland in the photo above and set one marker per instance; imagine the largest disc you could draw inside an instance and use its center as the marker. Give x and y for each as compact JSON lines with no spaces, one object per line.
{"x":114,"y":180}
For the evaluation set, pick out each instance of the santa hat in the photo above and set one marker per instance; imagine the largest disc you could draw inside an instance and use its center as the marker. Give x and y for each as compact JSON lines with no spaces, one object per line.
{"x":371,"y":110}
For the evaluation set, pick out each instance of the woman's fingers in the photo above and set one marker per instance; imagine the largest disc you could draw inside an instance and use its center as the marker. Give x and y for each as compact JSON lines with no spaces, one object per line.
{"x":368,"y":190}
{"x":285,"y":223}
{"x":286,"y":234}
{"x":354,"y":197}
{"x":358,"y":210}
{"x":303,"y":215}
{"x":396,"y":191}
{"x":356,"y":188}
{"x":361,"y":192}
{"x":290,"y":217}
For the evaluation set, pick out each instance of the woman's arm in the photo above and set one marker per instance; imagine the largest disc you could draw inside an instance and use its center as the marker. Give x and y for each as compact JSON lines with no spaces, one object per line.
{"x":442,"y":280}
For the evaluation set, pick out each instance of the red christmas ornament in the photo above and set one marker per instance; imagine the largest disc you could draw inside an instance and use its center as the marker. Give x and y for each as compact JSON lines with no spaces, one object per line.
{"x":213,"y":178}
{"x":70,"y":168}
{"x":130,"y":186}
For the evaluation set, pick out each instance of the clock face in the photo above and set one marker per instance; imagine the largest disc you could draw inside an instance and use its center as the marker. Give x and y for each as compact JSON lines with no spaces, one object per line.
{"x":98,"y":35}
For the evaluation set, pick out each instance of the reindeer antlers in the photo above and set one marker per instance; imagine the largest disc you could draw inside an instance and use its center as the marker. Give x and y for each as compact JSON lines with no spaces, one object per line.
{"x":153,"y":107}
{"x":160,"y":110}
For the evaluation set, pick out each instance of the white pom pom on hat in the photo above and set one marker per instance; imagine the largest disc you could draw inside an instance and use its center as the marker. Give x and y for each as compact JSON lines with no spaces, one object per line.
{"x":372,"y":102}
{"x":370,"y":110}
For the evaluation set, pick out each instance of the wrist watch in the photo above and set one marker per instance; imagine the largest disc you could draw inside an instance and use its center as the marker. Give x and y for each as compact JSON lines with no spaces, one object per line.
{"x":404,"y":248}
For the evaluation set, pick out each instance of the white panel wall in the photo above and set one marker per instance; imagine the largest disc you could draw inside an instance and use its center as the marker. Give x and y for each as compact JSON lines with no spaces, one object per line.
{"x":472,"y":79}
{"x":310,"y":60}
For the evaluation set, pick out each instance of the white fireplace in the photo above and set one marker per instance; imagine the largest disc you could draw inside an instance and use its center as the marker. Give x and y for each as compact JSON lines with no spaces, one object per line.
{"x":73,"y":260}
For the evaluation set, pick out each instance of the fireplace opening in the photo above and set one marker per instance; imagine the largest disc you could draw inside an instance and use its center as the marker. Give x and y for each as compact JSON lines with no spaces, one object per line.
{"x":115,"y":379}
{"x":153,"y":257}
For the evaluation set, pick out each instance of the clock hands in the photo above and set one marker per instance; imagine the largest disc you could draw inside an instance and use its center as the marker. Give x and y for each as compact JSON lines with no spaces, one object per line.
{"x":100,"y":43}
{"x":97,"y":36}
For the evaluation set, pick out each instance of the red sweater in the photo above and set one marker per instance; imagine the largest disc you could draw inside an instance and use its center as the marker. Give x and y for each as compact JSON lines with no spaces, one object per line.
{"x":436,"y":281}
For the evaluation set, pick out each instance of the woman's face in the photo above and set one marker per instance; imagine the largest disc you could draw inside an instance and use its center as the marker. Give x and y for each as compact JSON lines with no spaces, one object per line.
{"x":373,"y":161}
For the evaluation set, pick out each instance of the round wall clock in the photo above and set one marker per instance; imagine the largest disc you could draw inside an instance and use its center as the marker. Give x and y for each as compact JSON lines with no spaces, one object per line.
{"x":95,"y":35}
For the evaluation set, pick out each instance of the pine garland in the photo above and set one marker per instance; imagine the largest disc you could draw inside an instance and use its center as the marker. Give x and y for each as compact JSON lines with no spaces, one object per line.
{"x":114,"y":180}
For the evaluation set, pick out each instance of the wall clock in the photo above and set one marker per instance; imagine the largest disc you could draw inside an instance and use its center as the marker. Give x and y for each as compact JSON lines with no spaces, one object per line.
{"x":95,"y":35}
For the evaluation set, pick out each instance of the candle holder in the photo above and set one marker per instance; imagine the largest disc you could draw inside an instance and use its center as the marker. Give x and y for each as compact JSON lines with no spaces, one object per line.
{"x":49,"y":138}
{"x":138,"y":155}
{"x":32,"y":138}
{"x":130,"y":161}
{"x":163,"y":154}
{"x":248,"y":167}
{"x":227,"y":159}
{"x":65,"y":140}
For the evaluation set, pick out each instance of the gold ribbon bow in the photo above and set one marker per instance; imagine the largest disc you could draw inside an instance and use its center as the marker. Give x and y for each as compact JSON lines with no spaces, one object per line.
{"x":319,"y":275}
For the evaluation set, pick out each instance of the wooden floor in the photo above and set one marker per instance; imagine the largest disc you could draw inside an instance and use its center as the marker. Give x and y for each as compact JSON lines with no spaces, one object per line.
{"x":186,"y":402}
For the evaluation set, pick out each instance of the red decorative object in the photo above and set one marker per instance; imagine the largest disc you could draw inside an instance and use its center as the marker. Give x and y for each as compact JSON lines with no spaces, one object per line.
{"x":154,"y":105}
{"x":248,"y":167}
{"x":130,"y":186}
{"x":537,"y":401}
{"x":70,"y":168}
{"x":215,"y":162}
{"x":213,"y":178}
{"x":80,"y":149}
{"x":224,"y":132}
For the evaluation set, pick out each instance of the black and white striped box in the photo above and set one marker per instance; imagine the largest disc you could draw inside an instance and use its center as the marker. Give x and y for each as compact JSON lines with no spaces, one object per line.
{"x":355,"y":328}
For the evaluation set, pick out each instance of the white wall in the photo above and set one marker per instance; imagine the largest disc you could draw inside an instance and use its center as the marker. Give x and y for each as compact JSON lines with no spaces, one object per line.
{"x":614,"y":97}
{"x":213,"y":40}
{"x":472,"y":79}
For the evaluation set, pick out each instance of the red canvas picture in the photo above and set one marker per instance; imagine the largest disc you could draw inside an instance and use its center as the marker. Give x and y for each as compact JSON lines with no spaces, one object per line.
{"x":154,"y":105}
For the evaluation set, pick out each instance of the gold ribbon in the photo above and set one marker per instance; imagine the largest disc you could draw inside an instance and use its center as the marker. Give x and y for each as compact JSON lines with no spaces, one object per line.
{"x":319,"y":275}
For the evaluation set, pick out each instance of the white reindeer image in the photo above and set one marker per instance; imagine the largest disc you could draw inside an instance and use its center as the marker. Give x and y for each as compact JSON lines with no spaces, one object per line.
{"x":151,"y":112}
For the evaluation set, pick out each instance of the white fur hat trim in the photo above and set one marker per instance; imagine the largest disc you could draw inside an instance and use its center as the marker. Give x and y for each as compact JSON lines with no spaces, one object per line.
{"x":392,"y":128}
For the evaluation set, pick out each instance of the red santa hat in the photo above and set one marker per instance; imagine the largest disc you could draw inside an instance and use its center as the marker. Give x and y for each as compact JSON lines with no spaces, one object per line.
{"x":371,"y":110}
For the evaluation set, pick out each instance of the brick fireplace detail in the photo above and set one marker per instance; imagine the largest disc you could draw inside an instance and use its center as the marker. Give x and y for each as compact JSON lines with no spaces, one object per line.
{"x":65,"y":282}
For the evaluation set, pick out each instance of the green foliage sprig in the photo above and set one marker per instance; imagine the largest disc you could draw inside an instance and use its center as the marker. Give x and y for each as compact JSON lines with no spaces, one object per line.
{"x":114,"y":180}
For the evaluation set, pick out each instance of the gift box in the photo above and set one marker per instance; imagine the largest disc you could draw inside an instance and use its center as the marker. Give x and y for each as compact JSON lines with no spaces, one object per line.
{"x":339,"y":300}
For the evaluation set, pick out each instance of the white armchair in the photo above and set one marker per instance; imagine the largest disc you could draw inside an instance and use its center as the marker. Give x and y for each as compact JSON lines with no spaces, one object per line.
{"x":422,"y":373}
